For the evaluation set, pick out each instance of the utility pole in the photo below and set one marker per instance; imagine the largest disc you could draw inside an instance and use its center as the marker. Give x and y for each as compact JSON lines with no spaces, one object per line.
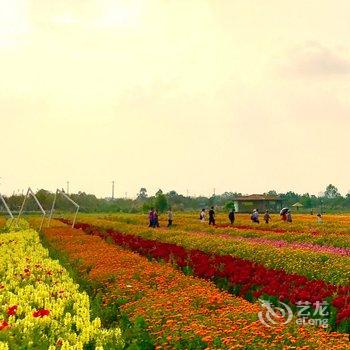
{"x":126,"y":195}
{"x":112,"y":190}
{"x":187,"y":192}
{"x":67,"y":187}
{"x":214,"y":191}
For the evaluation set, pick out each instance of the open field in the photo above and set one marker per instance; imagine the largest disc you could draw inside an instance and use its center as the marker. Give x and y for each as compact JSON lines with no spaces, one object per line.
{"x":195,"y":286}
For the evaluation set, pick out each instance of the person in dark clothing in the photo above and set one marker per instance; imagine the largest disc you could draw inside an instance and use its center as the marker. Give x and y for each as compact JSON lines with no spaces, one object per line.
{"x":212,"y":216}
{"x":231,"y":216}
{"x":151,"y":218}
{"x":267,"y":217}
{"x":156,"y":219}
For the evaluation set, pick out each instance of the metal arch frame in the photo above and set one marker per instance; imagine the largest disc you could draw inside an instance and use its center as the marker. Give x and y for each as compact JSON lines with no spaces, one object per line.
{"x":7,"y":208}
{"x":30,"y":192}
{"x":58,"y":191}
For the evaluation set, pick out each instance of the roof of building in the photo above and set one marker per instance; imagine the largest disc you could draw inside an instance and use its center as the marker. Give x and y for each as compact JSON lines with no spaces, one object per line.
{"x":258,"y":197}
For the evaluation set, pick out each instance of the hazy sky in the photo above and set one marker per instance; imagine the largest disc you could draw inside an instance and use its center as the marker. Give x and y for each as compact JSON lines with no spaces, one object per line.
{"x":239,"y":95}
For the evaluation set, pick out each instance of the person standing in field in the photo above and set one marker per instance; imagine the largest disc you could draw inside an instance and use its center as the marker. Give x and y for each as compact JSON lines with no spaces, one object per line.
{"x":231,"y":216}
{"x":202,"y":215}
{"x":156,"y":219}
{"x":151,"y":218}
{"x":319,"y":218}
{"x":212,"y":216}
{"x":170,"y":217}
{"x":255,"y":216}
{"x":289,"y":216}
{"x":267,"y":217}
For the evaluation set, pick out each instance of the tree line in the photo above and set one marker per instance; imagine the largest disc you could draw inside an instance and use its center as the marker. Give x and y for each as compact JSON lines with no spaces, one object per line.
{"x":329,"y":201}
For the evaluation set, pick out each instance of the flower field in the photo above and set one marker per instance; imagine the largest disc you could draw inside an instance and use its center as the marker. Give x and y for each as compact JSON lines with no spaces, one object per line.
{"x":252,"y":267}
{"x":179,"y":311}
{"x":41,"y":307}
{"x":314,"y":262}
{"x":186,"y":287}
{"x":304,"y":228}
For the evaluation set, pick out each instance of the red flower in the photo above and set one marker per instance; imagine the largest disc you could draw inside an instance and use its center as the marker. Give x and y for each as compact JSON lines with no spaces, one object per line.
{"x":41,"y":313}
{"x":11,"y":311}
{"x":3,"y":325}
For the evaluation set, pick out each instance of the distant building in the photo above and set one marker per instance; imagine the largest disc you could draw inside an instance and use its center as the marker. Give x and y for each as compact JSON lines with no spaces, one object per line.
{"x":262,"y":202}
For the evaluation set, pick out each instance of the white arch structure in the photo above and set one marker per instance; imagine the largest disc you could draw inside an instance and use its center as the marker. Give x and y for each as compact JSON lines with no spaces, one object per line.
{"x":30,"y":192}
{"x":58,"y":191}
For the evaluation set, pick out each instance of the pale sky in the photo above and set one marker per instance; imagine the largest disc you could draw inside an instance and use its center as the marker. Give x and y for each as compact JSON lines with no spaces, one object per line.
{"x":237,"y":95}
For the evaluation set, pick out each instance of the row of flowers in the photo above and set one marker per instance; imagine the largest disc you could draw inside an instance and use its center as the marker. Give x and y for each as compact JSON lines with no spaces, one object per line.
{"x":332,"y":225}
{"x":40,"y":305}
{"x":301,"y":223}
{"x":181,"y":312}
{"x":290,"y":233}
{"x":255,"y":236}
{"x":329,"y":267}
{"x":246,"y":278}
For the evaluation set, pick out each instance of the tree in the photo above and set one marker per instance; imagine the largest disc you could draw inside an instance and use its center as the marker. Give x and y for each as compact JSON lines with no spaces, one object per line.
{"x":306,"y":200}
{"x":230,"y":205}
{"x":45,"y":198}
{"x":159,"y":192}
{"x":172,"y":194}
{"x":272,"y":193}
{"x":161,"y":203}
{"x":142,"y":195}
{"x":331,"y":192}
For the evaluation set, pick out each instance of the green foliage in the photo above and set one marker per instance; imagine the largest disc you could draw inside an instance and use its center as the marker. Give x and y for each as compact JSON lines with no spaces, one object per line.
{"x":331,"y":192}
{"x":142,"y":195}
{"x":230,"y":205}
{"x":161,"y":202}
{"x":135,"y":334}
{"x":330,"y":201}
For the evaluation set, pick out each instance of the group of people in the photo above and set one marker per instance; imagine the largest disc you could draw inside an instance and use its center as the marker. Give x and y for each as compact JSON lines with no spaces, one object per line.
{"x":286,"y":216}
{"x":153,"y":218}
{"x":211,"y":213}
{"x":255,"y":216}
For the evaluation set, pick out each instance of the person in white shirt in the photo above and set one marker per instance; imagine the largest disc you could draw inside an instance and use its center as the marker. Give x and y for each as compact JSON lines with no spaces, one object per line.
{"x":202,"y":215}
{"x":170,"y":217}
